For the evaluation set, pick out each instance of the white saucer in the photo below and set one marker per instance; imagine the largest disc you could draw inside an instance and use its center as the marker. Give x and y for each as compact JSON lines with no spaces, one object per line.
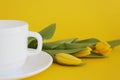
{"x":34,"y":64}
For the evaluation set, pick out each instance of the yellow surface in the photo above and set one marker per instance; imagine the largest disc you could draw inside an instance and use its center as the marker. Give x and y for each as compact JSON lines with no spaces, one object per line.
{"x":74,"y":18}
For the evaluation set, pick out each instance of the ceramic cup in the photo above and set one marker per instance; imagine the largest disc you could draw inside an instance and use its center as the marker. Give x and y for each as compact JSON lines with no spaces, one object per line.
{"x":13,"y":44}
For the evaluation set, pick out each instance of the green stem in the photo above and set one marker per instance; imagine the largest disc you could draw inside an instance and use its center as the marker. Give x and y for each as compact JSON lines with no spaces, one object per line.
{"x":114,"y":43}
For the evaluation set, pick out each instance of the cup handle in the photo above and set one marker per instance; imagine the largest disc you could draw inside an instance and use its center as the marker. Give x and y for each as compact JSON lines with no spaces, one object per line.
{"x":36,"y":35}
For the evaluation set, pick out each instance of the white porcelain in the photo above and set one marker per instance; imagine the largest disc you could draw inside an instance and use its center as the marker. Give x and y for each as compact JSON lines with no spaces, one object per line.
{"x":13,"y":44}
{"x":34,"y":65}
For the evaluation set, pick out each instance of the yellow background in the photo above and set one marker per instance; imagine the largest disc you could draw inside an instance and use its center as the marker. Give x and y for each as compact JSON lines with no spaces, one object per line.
{"x":74,"y":18}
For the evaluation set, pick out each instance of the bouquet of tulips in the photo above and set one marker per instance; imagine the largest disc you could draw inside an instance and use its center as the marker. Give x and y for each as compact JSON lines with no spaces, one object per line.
{"x":71,"y":51}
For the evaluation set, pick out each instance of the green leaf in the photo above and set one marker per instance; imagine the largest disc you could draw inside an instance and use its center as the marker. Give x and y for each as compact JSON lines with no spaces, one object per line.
{"x":72,"y":46}
{"x":77,"y":45}
{"x":33,"y":44}
{"x":55,"y":44}
{"x":48,"y":32}
{"x":114,"y":43}
{"x":69,"y":51}
{"x":50,"y":45}
{"x":70,"y":40}
{"x":68,"y":44}
{"x":94,"y":55}
{"x":30,"y":39}
{"x":90,"y":41}
{"x":60,"y":47}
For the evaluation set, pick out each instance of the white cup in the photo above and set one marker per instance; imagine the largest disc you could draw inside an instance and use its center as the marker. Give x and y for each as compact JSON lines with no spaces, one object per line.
{"x":13,"y":44}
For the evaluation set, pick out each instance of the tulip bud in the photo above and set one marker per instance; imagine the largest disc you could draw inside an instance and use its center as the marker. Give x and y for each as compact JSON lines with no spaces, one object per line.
{"x":67,"y":59}
{"x":102,"y":48}
{"x":83,"y":53}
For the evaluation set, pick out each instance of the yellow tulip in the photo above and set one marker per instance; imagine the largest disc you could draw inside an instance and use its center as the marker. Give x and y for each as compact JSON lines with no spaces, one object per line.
{"x":83,"y":53}
{"x":103,"y":48}
{"x":67,"y":59}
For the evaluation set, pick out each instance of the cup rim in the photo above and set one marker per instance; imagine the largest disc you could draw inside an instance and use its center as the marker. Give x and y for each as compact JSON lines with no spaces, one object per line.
{"x":12,"y":24}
